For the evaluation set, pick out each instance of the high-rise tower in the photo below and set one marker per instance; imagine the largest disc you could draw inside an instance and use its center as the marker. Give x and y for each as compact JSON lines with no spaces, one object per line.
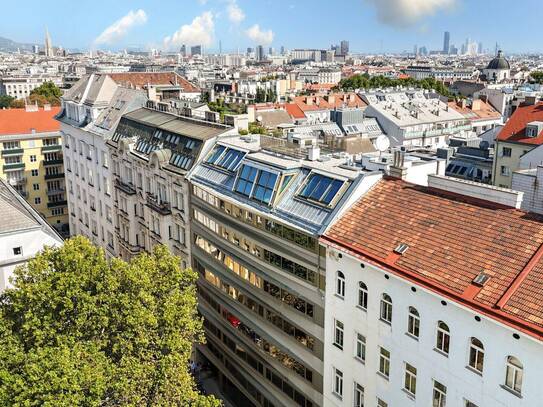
{"x":446,"y":42}
{"x":48,"y":44}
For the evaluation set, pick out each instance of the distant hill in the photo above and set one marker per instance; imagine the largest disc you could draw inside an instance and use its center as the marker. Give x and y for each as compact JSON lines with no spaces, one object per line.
{"x":9,"y":45}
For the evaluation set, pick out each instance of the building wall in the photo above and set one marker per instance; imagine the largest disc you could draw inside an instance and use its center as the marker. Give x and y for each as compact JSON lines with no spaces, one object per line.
{"x":530,"y":184}
{"x":89,"y":186}
{"x":37,"y":172}
{"x":462,"y":383}
{"x":502,"y":177}
{"x":30,"y":241}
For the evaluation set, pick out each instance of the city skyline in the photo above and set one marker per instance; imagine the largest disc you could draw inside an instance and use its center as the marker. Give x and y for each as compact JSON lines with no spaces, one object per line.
{"x":369,"y":26}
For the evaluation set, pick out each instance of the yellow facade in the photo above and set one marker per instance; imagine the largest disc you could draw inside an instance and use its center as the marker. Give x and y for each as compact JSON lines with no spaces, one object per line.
{"x":33,"y":165}
{"x":507,"y":157}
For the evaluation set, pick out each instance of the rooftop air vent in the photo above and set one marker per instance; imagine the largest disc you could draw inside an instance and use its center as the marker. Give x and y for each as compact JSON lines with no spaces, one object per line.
{"x":481,"y":279}
{"x":401,"y":248}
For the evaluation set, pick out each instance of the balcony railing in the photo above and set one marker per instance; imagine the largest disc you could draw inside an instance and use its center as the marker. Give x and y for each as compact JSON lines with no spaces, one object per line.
{"x":55,"y":191}
{"x":54,"y":176}
{"x":164,"y":208}
{"x":12,"y":151}
{"x":56,"y":204}
{"x":127,"y":188}
{"x":14,"y":166}
{"x":56,"y":161}
{"x":52,"y":147}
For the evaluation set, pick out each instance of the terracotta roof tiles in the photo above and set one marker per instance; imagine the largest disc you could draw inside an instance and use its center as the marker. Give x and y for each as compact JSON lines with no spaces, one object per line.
{"x":514,"y":129}
{"x":451,"y":240}
{"x":19,"y":121}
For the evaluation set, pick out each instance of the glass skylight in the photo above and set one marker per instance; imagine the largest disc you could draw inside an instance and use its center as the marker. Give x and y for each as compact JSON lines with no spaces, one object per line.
{"x":264,"y":187}
{"x":321,"y":189}
{"x":246,"y":180}
{"x":226,"y":158}
{"x":256,"y":184}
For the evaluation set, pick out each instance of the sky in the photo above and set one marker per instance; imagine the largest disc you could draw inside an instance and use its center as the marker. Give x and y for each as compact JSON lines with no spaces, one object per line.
{"x":369,"y":25}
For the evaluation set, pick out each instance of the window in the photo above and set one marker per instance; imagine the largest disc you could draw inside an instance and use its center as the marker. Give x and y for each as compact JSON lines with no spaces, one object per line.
{"x":37,"y":200}
{"x":34,"y":173}
{"x":32,"y":158}
{"x":506,"y":152}
{"x":410,"y":383}
{"x":338,"y":334}
{"x":443,"y":337}
{"x":504,"y":170}
{"x":265,"y":186}
{"x":476,"y":355}
{"x":360,"y":350}
{"x":246,"y":180}
{"x":470,"y":404}
{"x":321,"y":189}
{"x":340,"y":284}
{"x":362,"y":295}
{"x":18,"y":251}
{"x":384,"y":362}
{"x":230,"y":160}
{"x":36,"y":187}
{"x":386,"y":308}
{"x":439,"y":395}
{"x":413,"y":322}
{"x":381,"y":403}
{"x":358,"y":397}
{"x":513,"y":374}
{"x":338,"y":383}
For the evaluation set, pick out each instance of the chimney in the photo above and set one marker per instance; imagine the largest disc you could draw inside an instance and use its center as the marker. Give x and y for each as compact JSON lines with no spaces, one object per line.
{"x":476,"y":104}
{"x":313,"y":153}
{"x":397,"y":169}
{"x":309,"y":100}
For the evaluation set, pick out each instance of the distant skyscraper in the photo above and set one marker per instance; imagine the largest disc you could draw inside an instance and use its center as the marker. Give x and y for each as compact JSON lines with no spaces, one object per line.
{"x":259,"y":53}
{"x":183,"y":50}
{"x":196,"y":50}
{"x":36,"y":49}
{"x":480,"y":48}
{"x":446,"y":42}
{"x":344,"y":47}
{"x":48,"y":44}
{"x":416,"y":50}
{"x":250,"y":51}
{"x":282,"y":50}
{"x":271,"y":51}
{"x":220,"y":47}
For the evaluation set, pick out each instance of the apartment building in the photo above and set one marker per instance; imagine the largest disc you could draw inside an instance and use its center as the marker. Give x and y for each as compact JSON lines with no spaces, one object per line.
{"x":432,"y":298}
{"x":258,"y":207}
{"x":151,"y":153}
{"x":517,"y":143}
{"x":415,"y":119}
{"x":21,"y":86}
{"x":23,"y":233}
{"x":31,"y":161}
{"x":90,"y":112}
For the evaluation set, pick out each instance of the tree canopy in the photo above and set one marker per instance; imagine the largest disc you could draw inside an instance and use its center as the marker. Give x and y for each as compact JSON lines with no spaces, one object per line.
{"x":5,"y":101}
{"x":78,"y":330}
{"x":47,"y":92}
{"x":537,"y":76}
{"x":366,"y":81}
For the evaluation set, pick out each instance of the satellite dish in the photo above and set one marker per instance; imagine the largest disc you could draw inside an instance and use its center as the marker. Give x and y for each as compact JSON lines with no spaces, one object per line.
{"x":382,"y":143}
{"x":259,"y":119}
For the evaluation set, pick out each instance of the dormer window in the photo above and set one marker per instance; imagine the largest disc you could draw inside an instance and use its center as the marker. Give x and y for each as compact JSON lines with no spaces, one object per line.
{"x":531,"y":131}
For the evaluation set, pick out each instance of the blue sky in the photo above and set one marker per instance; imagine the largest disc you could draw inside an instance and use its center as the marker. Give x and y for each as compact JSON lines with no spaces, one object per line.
{"x":369,"y":25}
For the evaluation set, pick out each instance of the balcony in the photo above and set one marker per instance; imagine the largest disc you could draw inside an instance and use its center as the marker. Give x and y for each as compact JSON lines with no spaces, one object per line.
{"x":54,"y":176}
{"x":164,"y":208}
{"x":127,"y":188}
{"x":18,"y":181}
{"x":12,"y":152}
{"x":57,"y":204}
{"x":57,"y":161}
{"x":55,"y":191}
{"x":14,"y":166}
{"x":52,"y":147}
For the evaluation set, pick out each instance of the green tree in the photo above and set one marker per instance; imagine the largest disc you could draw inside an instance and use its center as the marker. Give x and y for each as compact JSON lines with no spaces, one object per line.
{"x":5,"y":101}
{"x":49,"y":91}
{"x":537,"y":76}
{"x":78,"y":330}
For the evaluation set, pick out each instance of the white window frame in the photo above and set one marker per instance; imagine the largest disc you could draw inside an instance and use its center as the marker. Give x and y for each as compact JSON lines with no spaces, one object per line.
{"x":410,"y":379}
{"x":362,"y":296}
{"x":479,"y":355}
{"x":413,"y":323}
{"x":339,"y":333}
{"x":386,"y":308}
{"x":514,"y":374}
{"x":338,"y":383}
{"x":340,"y":284}
{"x":439,"y":394}
{"x":358,"y":395}
{"x":441,"y":334}
{"x":360,"y":347}
{"x":384,"y":362}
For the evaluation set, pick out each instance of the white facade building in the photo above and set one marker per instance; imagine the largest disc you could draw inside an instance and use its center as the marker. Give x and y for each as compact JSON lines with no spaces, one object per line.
{"x":91,"y":111}
{"x":23,"y":233}
{"x":21,"y":86}
{"x":415,"y":311}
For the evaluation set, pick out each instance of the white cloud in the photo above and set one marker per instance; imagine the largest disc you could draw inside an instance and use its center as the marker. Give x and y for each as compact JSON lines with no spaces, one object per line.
{"x":199,"y":32}
{"x":259,"y":36}
{"x":404,"y":13}
{"x":119,"y":28}
{"x":202,"y":2}
{"x":235,"y":13}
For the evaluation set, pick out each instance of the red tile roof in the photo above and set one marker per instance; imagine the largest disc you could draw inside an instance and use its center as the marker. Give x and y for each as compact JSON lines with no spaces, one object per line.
{"x":294,"y":111}
{"x":140,"y":80}
{"x":478,"y":111}
{"x":331,"y":101}
{"x":19,"y":121}
{"x":514,"y":129}
{"x":451,"y":240}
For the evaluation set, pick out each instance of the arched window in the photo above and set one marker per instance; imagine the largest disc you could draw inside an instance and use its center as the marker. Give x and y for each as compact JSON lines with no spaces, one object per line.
{"x":362,"y":295}
{"x":340,"y":284}
{"x":443,"y":338}
{"x":413,"y":322}
{"x":386,"y":308}
{"x":476,"y":355}
{"x":513,"y":374}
